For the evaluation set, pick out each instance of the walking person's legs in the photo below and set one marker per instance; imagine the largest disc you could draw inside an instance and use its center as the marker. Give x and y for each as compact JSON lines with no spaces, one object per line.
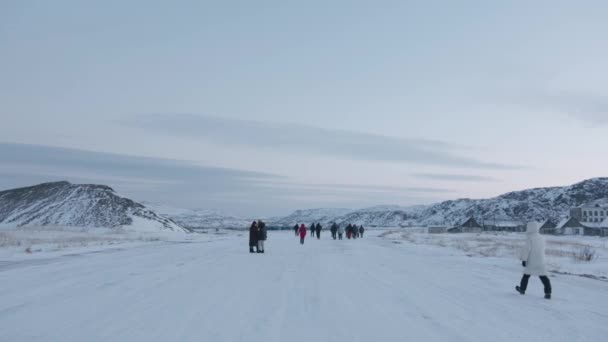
{"x":261,"y":246}
{"x":523,"y":285}
{"x":547,"y":284}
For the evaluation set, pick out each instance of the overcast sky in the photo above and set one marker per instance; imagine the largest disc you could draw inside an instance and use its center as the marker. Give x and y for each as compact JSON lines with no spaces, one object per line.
{"x":262,"y":107}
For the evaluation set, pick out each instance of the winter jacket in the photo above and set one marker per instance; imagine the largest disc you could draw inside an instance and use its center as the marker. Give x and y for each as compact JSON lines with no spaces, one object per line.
{"x":262,"y":232}
{"x":334,"y":228}
{"x":319,"y":227}
{"x":533,"y":252}
{"x":302,"y":231}
{"x":361,"y":230}
{"x":253,"y":235}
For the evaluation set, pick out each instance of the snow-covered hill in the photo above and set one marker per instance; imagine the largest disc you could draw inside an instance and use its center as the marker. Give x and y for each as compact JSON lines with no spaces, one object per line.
{"x":200,"y":219}
{"x":310,"y":216}
{"x":534,"y":204}
{"x":86,"y":205}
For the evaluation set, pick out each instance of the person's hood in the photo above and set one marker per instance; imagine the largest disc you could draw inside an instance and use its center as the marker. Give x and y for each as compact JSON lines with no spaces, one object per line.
{"x":532,"y":228}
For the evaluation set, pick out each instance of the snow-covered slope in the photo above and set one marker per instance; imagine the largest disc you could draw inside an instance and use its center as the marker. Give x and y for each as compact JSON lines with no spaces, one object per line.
{"x":86,"y":205}
{"x":309,"y":216}
{"x":534,"y":204}
{"x":200,"y":219}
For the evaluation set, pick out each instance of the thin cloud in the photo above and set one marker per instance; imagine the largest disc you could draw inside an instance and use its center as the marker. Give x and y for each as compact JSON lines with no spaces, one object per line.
{"x":186,"y":184}
{"x":454,"y":177}
{"x":589,"y":108}
{"x":310,"y":140}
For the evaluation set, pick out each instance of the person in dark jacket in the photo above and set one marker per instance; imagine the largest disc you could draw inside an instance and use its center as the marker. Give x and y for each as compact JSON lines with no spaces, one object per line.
{"x":253,"y":236}
{"x":334,"y":230}
{"x":262,"y":235}
{"x":312,"y":228}
{"x":349,"y":231}
{"x":296,"y":228}
{"x":361,"y":230}
{"x":318,"y":229}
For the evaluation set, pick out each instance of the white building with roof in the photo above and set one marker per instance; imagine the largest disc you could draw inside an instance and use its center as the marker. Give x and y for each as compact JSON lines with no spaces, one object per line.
{"x":589,"y":213}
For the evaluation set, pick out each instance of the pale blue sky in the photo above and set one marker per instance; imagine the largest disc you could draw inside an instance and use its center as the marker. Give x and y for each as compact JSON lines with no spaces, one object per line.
{"x":456,"y":98}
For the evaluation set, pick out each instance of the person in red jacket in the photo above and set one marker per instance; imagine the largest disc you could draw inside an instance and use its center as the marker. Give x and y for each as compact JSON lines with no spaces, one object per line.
{"x":302,"y":233}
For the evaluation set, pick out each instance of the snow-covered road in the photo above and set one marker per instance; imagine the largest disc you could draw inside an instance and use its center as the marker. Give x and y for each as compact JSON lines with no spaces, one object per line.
{"x":363,"y":290}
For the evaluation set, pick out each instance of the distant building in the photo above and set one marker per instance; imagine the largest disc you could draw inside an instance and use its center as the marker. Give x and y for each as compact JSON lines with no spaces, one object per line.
{"x":589,"y":214}
{"x":504,"y":226}
{"x":548,"y":227}
{"x":469,"y":226}
{"x":569,"y":226}
{"x":437,"y":229}
{"x":596,"y":229}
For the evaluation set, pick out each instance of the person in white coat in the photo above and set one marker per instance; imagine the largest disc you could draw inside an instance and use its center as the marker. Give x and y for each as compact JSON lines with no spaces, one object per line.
{"x":533,"y":260}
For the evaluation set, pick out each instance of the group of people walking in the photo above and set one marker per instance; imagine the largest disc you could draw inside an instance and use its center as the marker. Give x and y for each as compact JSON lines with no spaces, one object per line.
{"x":337,"y":231}
{"x":532,"y":255}
{"x":354,"y":232}
{"x":257,"y":236}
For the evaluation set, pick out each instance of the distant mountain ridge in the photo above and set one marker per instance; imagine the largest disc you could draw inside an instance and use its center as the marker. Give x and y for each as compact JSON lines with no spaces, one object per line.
{"x":200,"y":219}
{"x":81,"y":205}
{"x":552,"y":203}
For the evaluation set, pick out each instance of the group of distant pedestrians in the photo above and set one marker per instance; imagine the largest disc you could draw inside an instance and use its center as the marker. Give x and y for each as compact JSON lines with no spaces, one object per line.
{"x":257,"y":236}
{"x":337,"y":232}
{"x":354,"y":232}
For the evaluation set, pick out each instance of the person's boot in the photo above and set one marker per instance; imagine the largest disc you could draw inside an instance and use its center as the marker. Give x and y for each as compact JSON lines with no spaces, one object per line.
{"x":250,"y":249}
{"x":547,"y":296}
{"x":518,"y":289}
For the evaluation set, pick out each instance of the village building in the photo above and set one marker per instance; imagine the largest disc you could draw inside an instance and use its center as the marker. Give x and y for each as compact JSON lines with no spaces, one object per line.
{"x":437,"y":229}
{"x":548,"y":227}
{"x":596,"y":229}
{"x":469,"y":226}
{"x":589,"y":214}
{"x":504,"y":226}
{"x":569,"y":226}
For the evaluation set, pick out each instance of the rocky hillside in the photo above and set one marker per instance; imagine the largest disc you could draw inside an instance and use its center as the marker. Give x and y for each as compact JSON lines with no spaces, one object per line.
{"x":534,"y":204}
{"x":65,"y":204}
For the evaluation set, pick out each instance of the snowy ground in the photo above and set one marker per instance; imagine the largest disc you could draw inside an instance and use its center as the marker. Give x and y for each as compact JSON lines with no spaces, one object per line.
{"x":27,"y":243}
{"x":370,"y":289}
{"x":564,"y":254}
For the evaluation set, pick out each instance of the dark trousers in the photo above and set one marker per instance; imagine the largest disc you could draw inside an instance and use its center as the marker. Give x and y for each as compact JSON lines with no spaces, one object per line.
{"x":546,"y":283}
{"x":302,"y":240}
{"x":340,"y":236}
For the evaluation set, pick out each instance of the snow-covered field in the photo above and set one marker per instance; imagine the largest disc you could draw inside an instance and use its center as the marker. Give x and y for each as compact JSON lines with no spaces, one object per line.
{"x":564,"y":254}
{"x":27,"y":243}
{"x":209,"y":288}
